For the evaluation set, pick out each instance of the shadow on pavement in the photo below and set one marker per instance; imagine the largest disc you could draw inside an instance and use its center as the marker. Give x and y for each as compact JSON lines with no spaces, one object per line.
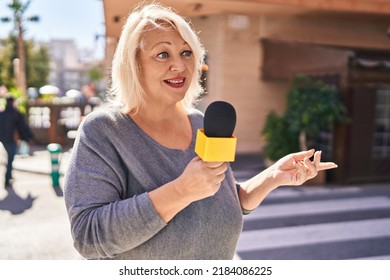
{"x":14,"y":203}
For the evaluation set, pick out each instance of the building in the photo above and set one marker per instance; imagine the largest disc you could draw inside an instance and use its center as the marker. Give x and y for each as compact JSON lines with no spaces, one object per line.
{"x":68,"y":70}
{"x":255,"y":47}
{"x":50,"y":121}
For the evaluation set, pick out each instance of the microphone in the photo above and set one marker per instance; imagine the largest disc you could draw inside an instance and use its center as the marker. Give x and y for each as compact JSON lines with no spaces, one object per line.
{"x":216,"y":141}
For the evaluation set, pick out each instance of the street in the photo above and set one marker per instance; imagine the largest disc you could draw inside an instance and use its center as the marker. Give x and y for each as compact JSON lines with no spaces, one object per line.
{"x":320,"y":223}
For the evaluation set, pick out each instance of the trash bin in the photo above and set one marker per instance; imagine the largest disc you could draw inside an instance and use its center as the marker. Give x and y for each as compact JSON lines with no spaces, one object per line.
{"x":55,"y":151}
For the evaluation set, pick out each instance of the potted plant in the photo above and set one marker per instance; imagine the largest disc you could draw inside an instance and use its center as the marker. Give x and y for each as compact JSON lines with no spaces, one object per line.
{"x":312,"y":106}
{"x":280,"y":141}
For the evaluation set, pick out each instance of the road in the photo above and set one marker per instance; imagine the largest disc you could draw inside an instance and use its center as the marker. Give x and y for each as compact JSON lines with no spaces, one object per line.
{"x":320,"y":223}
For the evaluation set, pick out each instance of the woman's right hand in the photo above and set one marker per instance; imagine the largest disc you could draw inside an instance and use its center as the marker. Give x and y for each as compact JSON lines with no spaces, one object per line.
{"x":201,"y":179}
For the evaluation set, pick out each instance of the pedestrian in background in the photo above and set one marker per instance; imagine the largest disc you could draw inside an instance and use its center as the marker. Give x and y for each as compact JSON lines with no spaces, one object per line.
{"x":13,"y":127}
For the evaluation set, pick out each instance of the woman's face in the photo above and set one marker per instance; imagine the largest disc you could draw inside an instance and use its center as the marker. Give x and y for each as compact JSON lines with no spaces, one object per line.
{"x":167,"y":65}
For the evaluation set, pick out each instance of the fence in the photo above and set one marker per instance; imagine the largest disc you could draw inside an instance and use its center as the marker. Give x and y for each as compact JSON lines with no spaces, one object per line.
{"x":53,"y":123}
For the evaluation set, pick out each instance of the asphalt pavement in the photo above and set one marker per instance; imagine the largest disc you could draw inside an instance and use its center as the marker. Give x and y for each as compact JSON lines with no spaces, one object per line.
{"x":34,"y":223}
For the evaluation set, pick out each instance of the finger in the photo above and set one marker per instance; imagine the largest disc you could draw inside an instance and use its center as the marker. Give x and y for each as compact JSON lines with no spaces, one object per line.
{"x":311,"y":167}
{"x":221,"y":177}
{"x":212,"y":164}
{"x":317,"y":158}
{"x":299,"y":166}
{"x":195,"y":159}
{"x":326,"y":165}
{"x":217,"y":181}
{"x":299,"y":175}
{"x":303,"y":154}
{"x":221,"y":169}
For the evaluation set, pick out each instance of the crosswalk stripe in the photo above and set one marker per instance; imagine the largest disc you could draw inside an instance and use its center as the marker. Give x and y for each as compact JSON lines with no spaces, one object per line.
{"x":299,"y":192}
{"x":371,"y":258}
{"x":313,"y":234}
{"x":318,"y":207}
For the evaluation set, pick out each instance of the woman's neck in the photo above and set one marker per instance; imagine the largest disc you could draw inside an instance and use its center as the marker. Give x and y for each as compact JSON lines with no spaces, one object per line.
{"x":170,"y":127}
{"x":159,"y":114}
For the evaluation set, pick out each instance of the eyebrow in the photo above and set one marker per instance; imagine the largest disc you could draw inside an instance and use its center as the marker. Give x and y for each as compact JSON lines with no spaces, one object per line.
{"x":168,"y":43}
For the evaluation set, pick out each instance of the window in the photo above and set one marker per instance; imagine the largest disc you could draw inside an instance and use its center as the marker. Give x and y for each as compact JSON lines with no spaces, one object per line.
{"x":381,"y":143}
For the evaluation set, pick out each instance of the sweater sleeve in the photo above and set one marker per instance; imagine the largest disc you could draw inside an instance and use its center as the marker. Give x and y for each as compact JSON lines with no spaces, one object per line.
{"x":103,"y":221}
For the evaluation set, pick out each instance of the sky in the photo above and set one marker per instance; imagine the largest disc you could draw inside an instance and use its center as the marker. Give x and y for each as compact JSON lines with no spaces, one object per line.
{"x":80,"y":20}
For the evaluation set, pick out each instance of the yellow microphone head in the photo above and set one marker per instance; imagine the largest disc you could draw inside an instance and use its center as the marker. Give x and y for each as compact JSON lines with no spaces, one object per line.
{"x":215,"y":149}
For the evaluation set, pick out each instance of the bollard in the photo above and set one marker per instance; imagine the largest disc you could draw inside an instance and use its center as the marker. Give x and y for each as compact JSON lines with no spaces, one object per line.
{"x":55,"y":150}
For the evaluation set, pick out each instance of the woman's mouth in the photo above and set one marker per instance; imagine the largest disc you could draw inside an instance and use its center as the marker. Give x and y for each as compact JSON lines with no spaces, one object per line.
{"x":176,"y":82}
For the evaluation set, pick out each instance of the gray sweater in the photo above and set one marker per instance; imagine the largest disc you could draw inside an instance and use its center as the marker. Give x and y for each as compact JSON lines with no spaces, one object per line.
{"x":113,"y":166}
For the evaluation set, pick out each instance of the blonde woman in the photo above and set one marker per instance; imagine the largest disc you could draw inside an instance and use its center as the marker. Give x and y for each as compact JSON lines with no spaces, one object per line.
{"x":135,"y":189}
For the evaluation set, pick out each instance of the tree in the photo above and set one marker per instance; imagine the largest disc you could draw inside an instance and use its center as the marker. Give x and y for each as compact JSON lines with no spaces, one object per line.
{"x":279,"y":140}
{"x":37,"y":63}
{"x":312,"y":106}
{"x":95,"y":74}
{"x":7,"y":55}
{"x":19,"y":8}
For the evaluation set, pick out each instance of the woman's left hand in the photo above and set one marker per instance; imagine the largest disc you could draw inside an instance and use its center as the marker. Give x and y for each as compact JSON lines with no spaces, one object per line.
{"x":297,"y":168}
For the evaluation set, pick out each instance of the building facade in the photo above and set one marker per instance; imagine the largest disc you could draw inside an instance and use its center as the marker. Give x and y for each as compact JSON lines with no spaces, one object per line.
{"x":254,"y":48}
{"x":68,"y":70}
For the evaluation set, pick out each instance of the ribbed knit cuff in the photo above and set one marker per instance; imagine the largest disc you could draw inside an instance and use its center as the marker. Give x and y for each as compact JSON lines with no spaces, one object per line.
{"x":243,"y":210}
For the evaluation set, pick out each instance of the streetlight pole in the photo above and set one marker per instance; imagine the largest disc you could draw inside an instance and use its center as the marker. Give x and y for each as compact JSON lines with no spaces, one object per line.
{"x":19,"y":9}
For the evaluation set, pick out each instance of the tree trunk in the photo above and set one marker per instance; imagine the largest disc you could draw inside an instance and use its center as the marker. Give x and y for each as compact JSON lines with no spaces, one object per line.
{"x":302,"y":141}
{"x":22,"y":61}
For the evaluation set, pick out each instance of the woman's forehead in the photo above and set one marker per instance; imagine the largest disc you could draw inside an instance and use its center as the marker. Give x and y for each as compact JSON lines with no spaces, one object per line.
{"x":156,"y":36}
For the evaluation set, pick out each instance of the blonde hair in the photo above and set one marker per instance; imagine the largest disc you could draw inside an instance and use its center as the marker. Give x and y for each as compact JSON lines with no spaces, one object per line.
{"x":126,"y":89}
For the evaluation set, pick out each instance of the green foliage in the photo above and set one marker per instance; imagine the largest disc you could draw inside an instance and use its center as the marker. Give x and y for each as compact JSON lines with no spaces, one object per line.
{"x":312,"y":106}
{"x":37,"y":59}
{"x":278,"y":142}
{"x":7,"y":54}
{"x":95,"y":74}
{"x":17,"y":5}
{"x":20,"y":100}
{"x":37,"y":64}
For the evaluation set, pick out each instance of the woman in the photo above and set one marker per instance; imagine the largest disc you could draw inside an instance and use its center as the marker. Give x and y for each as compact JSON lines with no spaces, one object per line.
{"x":135,"y":188}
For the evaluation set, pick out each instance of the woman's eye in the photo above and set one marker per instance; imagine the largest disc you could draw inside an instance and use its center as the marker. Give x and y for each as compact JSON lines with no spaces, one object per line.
{"x":186,"y":53}
{"x":163,"y":55}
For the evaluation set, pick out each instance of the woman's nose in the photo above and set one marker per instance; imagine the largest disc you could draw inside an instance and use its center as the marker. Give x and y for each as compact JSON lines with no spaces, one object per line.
{"x":177,"y":65}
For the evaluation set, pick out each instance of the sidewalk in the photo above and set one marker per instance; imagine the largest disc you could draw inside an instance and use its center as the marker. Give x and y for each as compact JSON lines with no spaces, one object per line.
{"x":39,"y":161}
{"x":34,"y":223}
